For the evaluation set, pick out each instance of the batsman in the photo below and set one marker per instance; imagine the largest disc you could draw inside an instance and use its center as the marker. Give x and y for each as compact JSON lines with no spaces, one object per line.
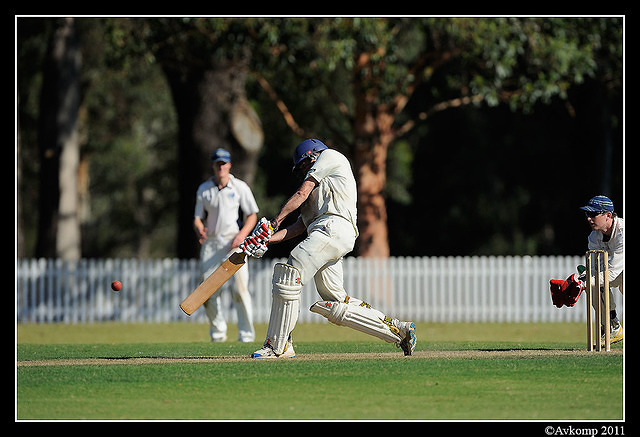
{"x":327,"y":201}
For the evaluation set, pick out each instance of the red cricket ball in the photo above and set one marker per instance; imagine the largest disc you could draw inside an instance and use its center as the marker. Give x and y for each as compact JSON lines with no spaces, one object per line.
{"x":116,"y":285}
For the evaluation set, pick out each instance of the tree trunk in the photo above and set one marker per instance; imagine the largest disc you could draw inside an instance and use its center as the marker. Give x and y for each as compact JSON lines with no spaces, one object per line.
{"x":372,"y":210}
{"x":58,"y":226}
{"x":212,"y":112}
{"x":374,"y":135}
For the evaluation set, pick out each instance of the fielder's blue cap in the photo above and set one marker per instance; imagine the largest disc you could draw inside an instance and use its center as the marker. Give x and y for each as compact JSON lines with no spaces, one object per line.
{"x":598,"y":204}
{"x":221,"y":155}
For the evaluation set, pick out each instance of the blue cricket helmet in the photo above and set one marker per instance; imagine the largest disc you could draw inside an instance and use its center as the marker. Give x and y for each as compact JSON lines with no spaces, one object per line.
{"x":306,"y":149}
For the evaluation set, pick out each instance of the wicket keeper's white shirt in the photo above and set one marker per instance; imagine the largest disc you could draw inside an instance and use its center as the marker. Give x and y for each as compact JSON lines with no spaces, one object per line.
{"x":615,"y":247}
{"x":219,"y":208}
{"x":336,"y":193}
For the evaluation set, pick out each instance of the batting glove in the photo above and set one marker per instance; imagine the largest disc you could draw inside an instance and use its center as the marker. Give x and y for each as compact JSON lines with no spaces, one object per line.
{"x":254,"y":247}
{"x":263,"y":230}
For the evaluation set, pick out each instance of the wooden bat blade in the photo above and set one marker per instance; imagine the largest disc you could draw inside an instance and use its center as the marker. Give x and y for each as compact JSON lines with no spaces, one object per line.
{"x":213,"y":283}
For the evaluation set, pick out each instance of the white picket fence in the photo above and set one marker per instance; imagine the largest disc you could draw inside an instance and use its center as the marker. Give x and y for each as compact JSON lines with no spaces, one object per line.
{"x":422,"y":289}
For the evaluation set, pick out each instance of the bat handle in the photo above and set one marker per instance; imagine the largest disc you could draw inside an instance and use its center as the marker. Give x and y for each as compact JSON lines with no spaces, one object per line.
{"x":273,"y":225}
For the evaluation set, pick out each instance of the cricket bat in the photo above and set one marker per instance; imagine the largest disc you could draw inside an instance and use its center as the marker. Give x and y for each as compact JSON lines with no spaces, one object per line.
{"x":213,"y":283}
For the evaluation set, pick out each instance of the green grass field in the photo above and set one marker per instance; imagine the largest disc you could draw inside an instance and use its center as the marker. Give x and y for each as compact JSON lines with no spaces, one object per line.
{"x":478,"y":372}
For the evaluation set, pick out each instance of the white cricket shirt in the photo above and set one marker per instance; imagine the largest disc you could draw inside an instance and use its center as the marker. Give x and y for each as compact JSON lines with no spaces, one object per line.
{"x":219,"y":208}
{"x":336,"y":193}
{"x":615,"y":247}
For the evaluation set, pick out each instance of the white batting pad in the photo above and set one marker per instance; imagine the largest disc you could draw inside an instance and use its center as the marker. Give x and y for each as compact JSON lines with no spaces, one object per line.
{"x":285,"y":305}
{"x":360,"y":317}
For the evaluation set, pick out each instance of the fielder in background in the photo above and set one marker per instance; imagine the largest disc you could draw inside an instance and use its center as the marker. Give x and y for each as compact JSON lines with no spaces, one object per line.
{"x":607,"y":233}
{"x":327,"y":201}
{"x":216,"y":222}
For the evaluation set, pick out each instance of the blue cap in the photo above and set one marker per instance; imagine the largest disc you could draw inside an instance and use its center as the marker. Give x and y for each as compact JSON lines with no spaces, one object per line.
{"x":221,"y":155}
{"x":598,"y":204}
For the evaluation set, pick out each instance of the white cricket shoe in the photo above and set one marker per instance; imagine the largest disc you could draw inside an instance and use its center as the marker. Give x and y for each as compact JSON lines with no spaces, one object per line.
{"x":615,"y":335}
{"x":617,"y":332}
{"x":407,"y":331}
{"x":267,"y":351}
{"x":217,"y":336}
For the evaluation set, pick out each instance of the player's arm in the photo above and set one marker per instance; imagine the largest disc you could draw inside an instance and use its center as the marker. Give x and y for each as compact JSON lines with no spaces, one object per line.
{"x":249,"y":224}
{"x":198,"y":223}
{"x":256,"y":244}
{"x":289,"y":232}
{"x":200,"y":229}
{"x":296,"y":200}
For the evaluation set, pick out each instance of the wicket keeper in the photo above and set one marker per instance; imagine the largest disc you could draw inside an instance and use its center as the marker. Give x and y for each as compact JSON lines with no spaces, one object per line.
{"x":607,"y":233}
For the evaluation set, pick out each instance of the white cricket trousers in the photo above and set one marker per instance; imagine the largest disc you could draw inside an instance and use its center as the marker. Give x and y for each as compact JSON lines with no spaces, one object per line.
{"x":212,"y":254}
{"x":616,"y":283}
{"x":320,"y":255}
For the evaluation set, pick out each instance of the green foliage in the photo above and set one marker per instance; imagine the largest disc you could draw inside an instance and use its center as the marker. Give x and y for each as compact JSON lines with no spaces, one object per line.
{"x":399,"y":174}
{"x":131,"y":146}
{"x":527,"y":60}
{"x":318,"y":67}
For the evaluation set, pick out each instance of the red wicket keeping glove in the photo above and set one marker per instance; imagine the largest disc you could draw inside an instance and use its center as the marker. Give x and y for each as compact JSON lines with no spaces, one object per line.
{"x":566,"y":292}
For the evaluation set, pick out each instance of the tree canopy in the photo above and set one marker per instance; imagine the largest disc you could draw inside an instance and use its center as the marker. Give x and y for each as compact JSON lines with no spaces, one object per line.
{"x":472,"y":135}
